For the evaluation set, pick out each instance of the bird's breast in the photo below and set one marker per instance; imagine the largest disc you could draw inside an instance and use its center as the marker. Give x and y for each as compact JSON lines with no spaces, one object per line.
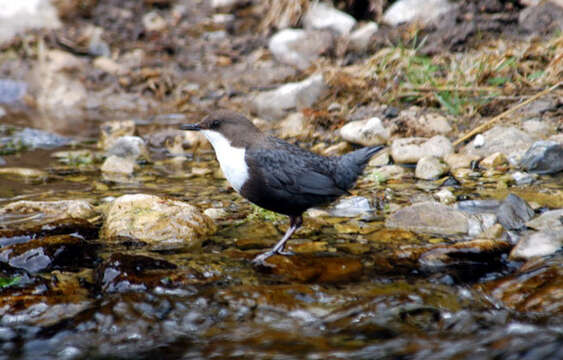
{"x":231,"y":159}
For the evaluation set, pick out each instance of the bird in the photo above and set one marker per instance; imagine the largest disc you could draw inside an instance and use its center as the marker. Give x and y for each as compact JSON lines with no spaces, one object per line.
{"x":277,"y":175}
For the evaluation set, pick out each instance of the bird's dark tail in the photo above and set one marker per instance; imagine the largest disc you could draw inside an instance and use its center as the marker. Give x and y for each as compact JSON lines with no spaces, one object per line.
{"x":352,"y":165}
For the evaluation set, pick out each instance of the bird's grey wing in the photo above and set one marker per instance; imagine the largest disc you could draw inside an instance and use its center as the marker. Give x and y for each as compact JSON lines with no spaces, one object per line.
{"x":285,"y":171}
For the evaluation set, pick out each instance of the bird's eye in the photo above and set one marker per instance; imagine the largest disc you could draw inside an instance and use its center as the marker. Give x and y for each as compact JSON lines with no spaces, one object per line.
{"x":215,"y":124}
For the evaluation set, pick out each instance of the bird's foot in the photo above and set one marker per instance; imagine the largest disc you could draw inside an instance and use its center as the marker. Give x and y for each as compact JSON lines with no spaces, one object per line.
{"x":285,"y":253}
{"x":260,"y":260}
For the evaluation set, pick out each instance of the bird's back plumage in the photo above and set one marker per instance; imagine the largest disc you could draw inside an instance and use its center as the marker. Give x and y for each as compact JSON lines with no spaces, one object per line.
{"x":288,"y":179}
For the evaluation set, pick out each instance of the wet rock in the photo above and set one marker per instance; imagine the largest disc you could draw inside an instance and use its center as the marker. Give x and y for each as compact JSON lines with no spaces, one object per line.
{"x":323,"y":16}
{"x":421,"y":122}
{"x":351,"y":207}
{"x":360,"y":38}
{"x":478,"y":206}
{"x":317,"y":269}
{"x":275,"y":104}
{"x":478,"y":223}
{"x":522,"y":178}
{"x":549,"y":220}
{"x":536,"y":287}
{"x":215,"y":213}
{"x":300,"y":48}
{"x":430,"y":167}
{"x":159,"y":222}
{"x":410,"y":150}
{"x":117,"y":168}
{"x":35,"y":138}
{"x":389,"y":172}
{"x":405,"y":11}
{"x":50,"y":210}
{"x":470,"y":254}
{"x":540,"y":243}
{"x":110,"y":131}
{"x":53,"y":252}
{"x":514,"y":212}
{"x":458,"y":161}
{"x":507,"y":140}
{"x":16,"y":230}
{"x":368,"y":132}
{"x":26,"y":173}
{"x":19,"y":16}
{"x":543,"y":157}
{"x":494,"y":161}
{"x":11,"y":91}
{"x":132,"y":147}
{"x":139,"y":273}
{"x":429,"y":217}
{"x":445,"y":196}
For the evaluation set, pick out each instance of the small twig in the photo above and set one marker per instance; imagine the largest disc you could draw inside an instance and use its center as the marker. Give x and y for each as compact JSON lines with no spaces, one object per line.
{"x":452,"y":88}
{"x":481,"y":128}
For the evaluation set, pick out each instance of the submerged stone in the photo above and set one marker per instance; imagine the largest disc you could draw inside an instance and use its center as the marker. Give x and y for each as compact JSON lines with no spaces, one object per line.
{"x":429,"y":217}
{"x":50,"y":210}
{"x":52,"y":252}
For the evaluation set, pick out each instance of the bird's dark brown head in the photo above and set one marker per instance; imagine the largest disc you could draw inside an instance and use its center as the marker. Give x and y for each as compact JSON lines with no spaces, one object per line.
{"x":232,"y":125}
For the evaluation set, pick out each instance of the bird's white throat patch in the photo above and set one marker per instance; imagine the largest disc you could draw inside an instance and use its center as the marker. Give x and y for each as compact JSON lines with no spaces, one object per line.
{"x":230,"y":158}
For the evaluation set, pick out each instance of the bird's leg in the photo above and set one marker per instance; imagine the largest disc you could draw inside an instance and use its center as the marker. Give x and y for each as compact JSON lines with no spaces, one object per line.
{"x":295,"y":223}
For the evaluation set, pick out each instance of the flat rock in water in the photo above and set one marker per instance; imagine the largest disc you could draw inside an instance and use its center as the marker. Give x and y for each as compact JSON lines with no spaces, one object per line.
{"x":514,"y":212}
{"x":51,"y":210}
{"x":161,"y":223}
{"x":429,"y":217}
{"x":543,"y":157}
{"x":52,"y":252}
{"x":522,"y":292}
{"x":129,"y":147}
{"x":317,"y":269}
{"x":549,"y":220}
{"x":540,"y":243}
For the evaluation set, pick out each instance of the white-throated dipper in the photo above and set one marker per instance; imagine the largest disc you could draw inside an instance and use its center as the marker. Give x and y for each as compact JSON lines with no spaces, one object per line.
{"x":277,"y":175}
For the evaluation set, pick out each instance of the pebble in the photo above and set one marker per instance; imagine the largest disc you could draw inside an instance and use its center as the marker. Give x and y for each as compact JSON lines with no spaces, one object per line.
{"x":323,"y":16}
{"x":368,"y":132}
{"x":299,"y":48}
{"x":430,"y":167}
{"x":276,"y":104}
{"x":406,"y":11}
{"x":360,"y":38}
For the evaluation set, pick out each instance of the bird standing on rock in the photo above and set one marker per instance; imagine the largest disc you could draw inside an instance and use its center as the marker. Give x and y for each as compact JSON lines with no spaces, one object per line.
{"x":277,"y":175}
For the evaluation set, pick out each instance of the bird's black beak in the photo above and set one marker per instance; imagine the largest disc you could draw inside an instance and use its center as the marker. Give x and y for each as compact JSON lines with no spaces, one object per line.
{"x":191,"y":127}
